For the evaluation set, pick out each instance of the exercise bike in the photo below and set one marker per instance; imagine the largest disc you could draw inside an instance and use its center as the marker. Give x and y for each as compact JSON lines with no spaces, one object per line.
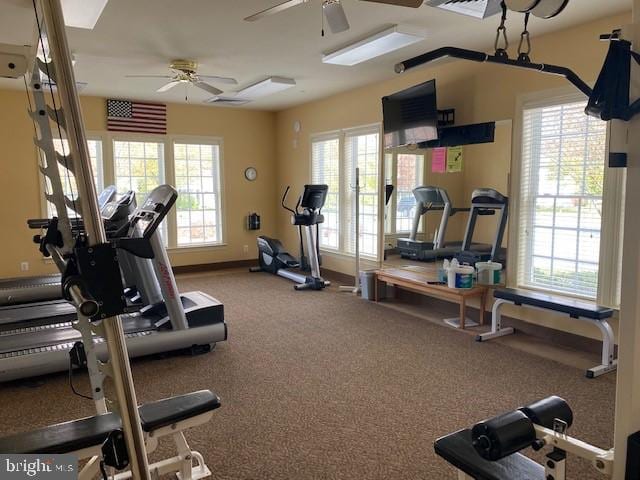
{"x":272,"y":256}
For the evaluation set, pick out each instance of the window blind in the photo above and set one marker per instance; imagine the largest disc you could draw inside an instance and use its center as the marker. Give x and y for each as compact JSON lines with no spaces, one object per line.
{"x":325,"y":168}
{"x":362,"y":150}
{"x":561,"y":190}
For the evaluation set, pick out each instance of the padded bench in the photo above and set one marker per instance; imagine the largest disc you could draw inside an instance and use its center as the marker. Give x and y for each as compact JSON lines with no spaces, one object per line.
{"x":458,"y":450}
{"x":92,"y":431}
{"x":583,"y":311}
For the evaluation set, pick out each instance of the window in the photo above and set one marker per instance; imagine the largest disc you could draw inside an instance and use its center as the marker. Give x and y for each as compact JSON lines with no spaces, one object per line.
{"x":561,"y":199}
{"x":334,"y":159}
{"x":197,"y":173}
{"x":142,"y":162}
{"x":139,"y":166}
{"x":69,"y":186}
{"x":405,"y":171}
{"x":362,"y":151}
{"x":325,"y":159}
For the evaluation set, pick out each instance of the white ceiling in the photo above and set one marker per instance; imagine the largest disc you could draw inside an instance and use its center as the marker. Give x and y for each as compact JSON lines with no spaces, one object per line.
{"x":142,"y":36}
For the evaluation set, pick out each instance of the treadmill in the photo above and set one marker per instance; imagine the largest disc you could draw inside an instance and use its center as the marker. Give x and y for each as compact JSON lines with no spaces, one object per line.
{"x":430,"y":199}
{"x":115,"y":214}
{"x":485,"y":201}
{"x":19,"y":290}
{"x":190,"y":321}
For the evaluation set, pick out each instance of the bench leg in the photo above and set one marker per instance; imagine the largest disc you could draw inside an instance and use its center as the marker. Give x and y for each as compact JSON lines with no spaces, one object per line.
{"x":497,"y":330}
{"x":608,"y":362}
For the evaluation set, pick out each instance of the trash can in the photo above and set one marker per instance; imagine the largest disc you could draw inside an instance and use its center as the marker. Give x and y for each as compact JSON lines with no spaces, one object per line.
{"x":368,"y":284}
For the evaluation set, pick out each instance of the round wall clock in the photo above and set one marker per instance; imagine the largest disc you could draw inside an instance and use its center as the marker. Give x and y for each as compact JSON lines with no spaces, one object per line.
{"x":251,"y":174}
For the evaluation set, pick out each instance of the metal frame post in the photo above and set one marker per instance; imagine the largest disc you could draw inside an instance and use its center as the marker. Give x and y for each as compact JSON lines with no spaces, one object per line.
{"x":76,"y":135}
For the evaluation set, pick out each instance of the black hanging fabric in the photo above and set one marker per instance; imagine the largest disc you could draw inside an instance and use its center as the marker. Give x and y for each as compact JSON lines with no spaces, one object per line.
{"x":610,"y":98}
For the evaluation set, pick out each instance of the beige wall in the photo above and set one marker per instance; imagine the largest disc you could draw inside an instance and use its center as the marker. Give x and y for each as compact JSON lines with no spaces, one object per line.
{"x":479,"y":92}
{"x":249,"y":140}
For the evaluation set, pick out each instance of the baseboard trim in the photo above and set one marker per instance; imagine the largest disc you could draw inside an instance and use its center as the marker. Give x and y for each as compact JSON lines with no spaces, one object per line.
{"x":210,"y":267}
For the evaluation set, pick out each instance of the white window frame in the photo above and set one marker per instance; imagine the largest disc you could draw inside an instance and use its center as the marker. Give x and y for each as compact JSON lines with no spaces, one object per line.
{"x":344,"y":197}
{"x":391,"y":226}
{"x":170,"y":172}
{"x":608,"y":290}
{"x":108,"y":175}
{"x":323,"y":137}
{"x":101,"y":175}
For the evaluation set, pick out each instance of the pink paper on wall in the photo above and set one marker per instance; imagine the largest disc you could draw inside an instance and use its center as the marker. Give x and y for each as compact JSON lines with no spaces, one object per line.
{"x":439,"y":160}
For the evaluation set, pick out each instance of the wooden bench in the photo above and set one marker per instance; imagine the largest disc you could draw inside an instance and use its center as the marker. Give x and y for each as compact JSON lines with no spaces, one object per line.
{"x":423,"y":282}
{"x":579,"y":310}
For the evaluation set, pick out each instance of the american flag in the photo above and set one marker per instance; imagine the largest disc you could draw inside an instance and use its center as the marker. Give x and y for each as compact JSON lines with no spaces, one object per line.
{"x":126,"y":116}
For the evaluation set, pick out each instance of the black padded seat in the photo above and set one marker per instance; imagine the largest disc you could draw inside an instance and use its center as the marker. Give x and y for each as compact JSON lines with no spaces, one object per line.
{"x":573,"y":308}
{"x":165,"y":412}
{"x":62,"y":438}
{"x":92,"y":431}
{"x":458,"y":450}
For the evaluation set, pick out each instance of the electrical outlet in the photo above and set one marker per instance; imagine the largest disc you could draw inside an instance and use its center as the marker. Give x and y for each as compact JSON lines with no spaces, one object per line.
{"x":24,"y":266}
{"x":245,"y":249}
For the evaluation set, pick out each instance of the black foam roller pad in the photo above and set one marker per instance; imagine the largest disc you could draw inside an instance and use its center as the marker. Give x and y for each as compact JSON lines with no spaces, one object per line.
{"x":544,"y":412}
{"x":503,"y":435}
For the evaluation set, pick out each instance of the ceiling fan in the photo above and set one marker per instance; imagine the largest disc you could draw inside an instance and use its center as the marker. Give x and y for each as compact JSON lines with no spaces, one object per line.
{"x":186,"y":72}
{"x":332,"y":9}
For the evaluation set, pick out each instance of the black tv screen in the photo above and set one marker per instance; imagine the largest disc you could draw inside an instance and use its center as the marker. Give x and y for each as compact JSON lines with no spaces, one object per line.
{"x":410,"y":116}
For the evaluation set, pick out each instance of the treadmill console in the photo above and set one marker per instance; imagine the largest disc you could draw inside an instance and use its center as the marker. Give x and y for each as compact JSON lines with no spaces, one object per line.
{"x":151,"y":213}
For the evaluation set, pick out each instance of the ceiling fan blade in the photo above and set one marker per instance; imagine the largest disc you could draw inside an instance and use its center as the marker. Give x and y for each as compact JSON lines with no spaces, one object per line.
{"x":273,"y":10}
{"x":399,"y":3}
{"x":215,"y":78}
{"x":148,"y":76}
{"x":336,"y":18}
{"x":208,"y":88}
{"x":168,"y":86}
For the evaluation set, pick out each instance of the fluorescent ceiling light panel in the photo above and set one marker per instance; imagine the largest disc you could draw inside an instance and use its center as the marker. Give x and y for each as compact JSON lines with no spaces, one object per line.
{"x":473,"y":8}
{"x":82,"y":13}
{"x":381,"y":43}
{"x":266,"y":87}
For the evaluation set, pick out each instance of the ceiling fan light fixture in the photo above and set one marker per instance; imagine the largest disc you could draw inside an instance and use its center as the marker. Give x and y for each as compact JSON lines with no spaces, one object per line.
{"x":376,"y":45}
{"x":266,"y":87}
{"x":480,"y":9}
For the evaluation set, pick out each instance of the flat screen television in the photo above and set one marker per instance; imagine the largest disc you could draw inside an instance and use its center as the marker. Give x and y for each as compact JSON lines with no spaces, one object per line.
{"x":410,"y":116}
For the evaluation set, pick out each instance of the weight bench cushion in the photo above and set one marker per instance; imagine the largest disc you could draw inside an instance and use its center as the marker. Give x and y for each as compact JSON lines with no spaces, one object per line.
{"x":165,"y":412}
{"x":92,"y":431}
{"x":458,"y":450}
{"x":62,"y":438}
{"x":573,"y":308}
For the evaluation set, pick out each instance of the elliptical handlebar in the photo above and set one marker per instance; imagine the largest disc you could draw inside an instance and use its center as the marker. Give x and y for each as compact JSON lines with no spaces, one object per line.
{"x":284,"y":198}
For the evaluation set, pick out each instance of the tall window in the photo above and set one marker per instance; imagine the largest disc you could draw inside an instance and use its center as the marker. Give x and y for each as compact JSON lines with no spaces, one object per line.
{"x":362,"y":151}
{"x":139,"y":166}
{"x":325,"y":158}
{"x":197,"y":171}
{"x":561,"y":199}
{"x":69,"y":186}
{"x":405,"y":172}
{"x":334,"y":159}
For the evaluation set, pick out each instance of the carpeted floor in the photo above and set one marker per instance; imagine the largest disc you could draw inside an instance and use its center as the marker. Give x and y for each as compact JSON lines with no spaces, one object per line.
{"x":321,"y":385}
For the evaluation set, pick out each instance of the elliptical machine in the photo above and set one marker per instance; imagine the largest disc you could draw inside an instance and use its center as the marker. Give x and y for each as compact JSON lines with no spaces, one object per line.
{"x":272,"y":256}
